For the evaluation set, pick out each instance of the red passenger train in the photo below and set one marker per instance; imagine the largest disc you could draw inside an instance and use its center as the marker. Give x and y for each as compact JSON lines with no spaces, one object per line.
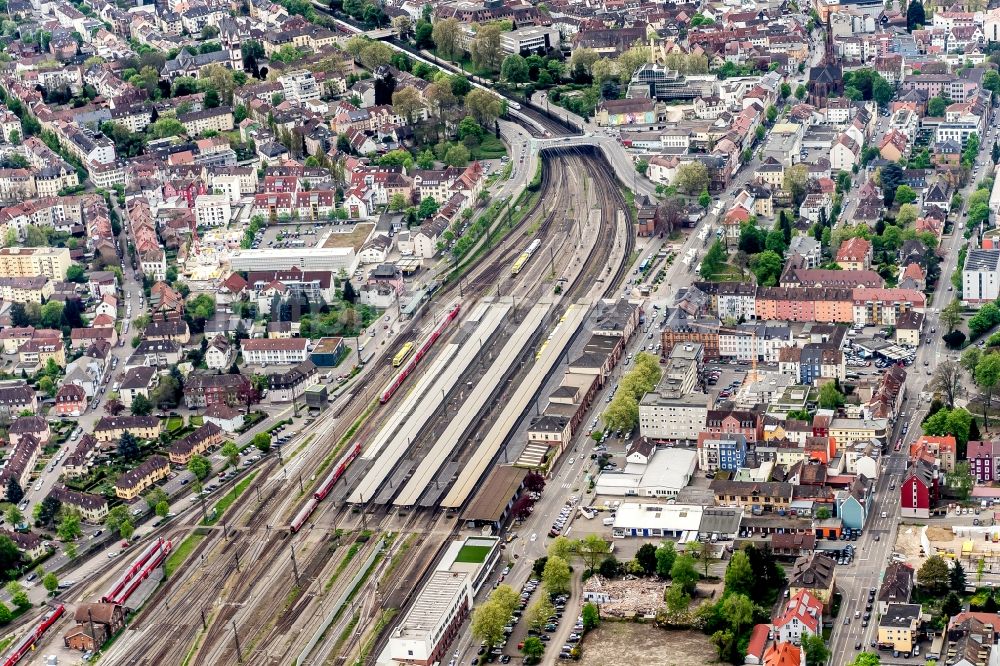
{"x":331,"y":480}
{"x":24,"y":646}
{"x":424,"y":348}
{"x":325,"y":487}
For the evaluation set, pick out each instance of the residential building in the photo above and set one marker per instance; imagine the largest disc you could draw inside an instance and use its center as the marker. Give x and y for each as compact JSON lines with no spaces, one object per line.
{"x":919,"y":491}
{"x":984,"y":460}
{"x":140,"y":380}
{"x":275,"y":352}
{"x":219,"y":354}
{"x":299,"y":86}
{"x":111,"y":428}
{"x":898,"y":626}
{"x":815,"y":574}
{"x":290,"y":385}
{"x":896,"y":587}
{"x":133,"y":483}
{"x":198,"y":442}
{"x":855,"y":254}
{"x":212,"y":210}
{"x":981,"y":277}
{"x":71,"y":400}
{"x":51,"y":262}
{"x":93,"y":508}
{"x":803,"y":616}
{"x":227,"y":418}
{"x":204,"y":390}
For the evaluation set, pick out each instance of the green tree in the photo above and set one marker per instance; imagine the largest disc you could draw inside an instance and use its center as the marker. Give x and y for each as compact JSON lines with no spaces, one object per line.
{"x":262,"y":441}
{"x":539,"y":613}
{"x":165,"y":127}
{"x":646,"y":557}
{"x":830,"y":397}
{"x":75,"y":273}
{"x":140,"y":405}
{"x":713,"y":262}
{"x":970,"y":358}
{"x":14,"y":515}
{"x":739,"y":574}
{"x":817,"y":653}
{"x":801,"y":91}
{"x":561,"y":546}
{"x":905,"y":194}
{"x":933,"y":575}
{"x":591,"y":616}
{"x":14,"y":493}
{"x":684,"y":573}
{"x":162,"y":508}
{"x":231,"y":453}
{"x":767,"y":267}
{"x":692,"y":178}
{"x":69,"y":526}
{"x":882,"y":91}
{"x":514,"y":69}
{"x":937,"y":105}
{"x":915,"y":18}
{"x":488,"y":621}
{"x":738,"y":611}
{"x":18,"y":595}
{"x":866,"y":658}
{"x":200,"y":467}
{"x":678,"y":601}
{"x":128,"y":446}
{"x":556,"y":576}
{"x":533,"y":649}
{"x":960,"y":480}
{"x":47,"y":510}
{"x":987,"y":376}
{"x":956,"y":577}
{"x":5,"y":615}
{"x":665,"y":556}
{"x":51,"y":582}
{"x":823,"y":513}
{"x":705,"y":199}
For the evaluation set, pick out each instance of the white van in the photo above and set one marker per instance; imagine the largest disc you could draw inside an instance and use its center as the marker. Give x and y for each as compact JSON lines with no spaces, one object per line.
{"x":608,"y":522}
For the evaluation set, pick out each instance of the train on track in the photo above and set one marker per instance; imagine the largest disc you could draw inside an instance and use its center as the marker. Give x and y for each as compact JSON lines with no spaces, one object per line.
{"x":24,"y":646}
{"x":324,"y":488}
{"x":401,"y":355}
{"x":424,"y":348}
{"x":525,"y":257}
{"x":150,"y":558}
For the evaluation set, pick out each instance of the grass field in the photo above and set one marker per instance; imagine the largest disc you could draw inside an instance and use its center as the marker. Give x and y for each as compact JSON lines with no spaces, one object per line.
{"x":473,"y":554}
{"x":174,"y":423}
{"x":229,"y":498}
{"x":491,"y":148}
{"x":176,"y":558}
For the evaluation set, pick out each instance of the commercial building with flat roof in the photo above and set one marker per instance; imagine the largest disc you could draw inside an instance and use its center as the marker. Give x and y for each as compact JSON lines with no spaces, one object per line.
{"x":331,"y":259}
{"x":667,"y":472}
{"x":676,"y":521}
{"x":446,"y":599}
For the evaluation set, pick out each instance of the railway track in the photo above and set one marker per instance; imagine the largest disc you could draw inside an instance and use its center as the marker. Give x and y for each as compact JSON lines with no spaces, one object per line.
{"x":240,"y":576}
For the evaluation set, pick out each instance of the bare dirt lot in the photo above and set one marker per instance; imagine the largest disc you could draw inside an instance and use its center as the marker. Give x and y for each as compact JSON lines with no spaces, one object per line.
{"x":624,"y":643}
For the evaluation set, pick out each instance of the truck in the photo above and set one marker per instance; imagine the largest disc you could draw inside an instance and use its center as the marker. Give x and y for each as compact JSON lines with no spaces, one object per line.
{"x":608,"y":522}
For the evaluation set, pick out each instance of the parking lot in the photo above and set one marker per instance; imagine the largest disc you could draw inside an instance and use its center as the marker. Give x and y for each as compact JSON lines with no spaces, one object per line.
{"x":290,"y":235}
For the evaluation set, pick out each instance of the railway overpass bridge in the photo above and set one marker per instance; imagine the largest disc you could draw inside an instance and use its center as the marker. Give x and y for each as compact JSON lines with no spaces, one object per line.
{"x":614,"y":153}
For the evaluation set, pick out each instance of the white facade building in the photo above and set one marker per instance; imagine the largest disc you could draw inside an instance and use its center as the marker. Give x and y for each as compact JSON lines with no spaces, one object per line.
{"x":981,"y":277}
{"x":212,"y":210}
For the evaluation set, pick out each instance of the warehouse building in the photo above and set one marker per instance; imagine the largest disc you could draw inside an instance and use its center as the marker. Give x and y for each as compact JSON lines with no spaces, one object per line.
{"x":443,"y":603}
